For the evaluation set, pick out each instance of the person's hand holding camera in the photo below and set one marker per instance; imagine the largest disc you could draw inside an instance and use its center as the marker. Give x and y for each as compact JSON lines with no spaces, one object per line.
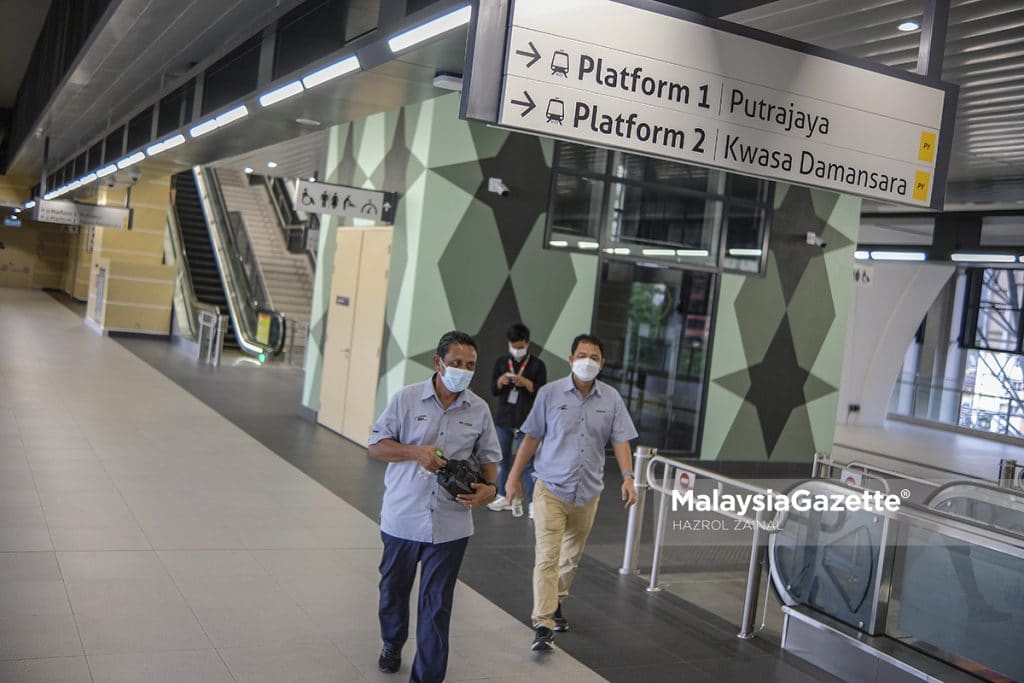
{"x":482,"y":495}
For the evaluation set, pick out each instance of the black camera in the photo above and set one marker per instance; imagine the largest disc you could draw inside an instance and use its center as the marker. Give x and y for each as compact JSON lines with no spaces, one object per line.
{"x":458,"y":476}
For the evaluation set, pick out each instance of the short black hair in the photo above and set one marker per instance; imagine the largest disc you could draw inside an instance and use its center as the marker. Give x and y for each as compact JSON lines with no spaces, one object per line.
{"x":454,"y":337}
{"x":518,"y":332}
{"x":589,"y":339}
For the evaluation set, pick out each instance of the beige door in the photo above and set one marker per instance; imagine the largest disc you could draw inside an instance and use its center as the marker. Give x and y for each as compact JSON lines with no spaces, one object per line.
{"x":355,"y":331}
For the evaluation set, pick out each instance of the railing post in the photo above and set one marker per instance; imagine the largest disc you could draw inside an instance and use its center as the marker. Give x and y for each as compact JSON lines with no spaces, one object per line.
{"x":659,"y":532}
{"x":630,"y":555}
{"x":758,"y":549}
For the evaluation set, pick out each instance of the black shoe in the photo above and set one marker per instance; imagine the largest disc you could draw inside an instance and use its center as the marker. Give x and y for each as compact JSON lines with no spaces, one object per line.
{"x":543,"y":637}
{"x":390,"y":660}
{"x":561,"y":623}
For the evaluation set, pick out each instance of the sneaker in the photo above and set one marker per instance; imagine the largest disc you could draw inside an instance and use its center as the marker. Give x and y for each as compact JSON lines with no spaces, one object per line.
{"x":500,"y":503}
{"x":390,"y":660}
{"x":530,"y":513}
{"x":561,"y":623}
{"x":542,"y":639}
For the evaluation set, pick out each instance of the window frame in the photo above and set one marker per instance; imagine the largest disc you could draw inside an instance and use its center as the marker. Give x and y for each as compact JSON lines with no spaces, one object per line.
{"x":608,"y":180}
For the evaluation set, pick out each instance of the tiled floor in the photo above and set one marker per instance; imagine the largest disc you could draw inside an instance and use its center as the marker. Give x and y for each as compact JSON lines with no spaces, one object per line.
{"x":144,"y":537}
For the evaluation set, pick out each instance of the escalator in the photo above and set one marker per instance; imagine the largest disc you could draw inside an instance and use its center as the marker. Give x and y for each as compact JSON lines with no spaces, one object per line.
{"x":927,"y":592}
{"x":199,"y":257}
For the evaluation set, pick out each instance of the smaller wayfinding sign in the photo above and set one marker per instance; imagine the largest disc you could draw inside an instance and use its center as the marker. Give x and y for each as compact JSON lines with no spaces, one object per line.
{"x":670,"y":84}
{"x":342,"y":200}
{"x":72,"y":213}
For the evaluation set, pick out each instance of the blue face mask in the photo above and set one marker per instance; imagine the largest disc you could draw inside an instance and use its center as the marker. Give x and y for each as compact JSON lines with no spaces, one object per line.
{"x":456,"y":380}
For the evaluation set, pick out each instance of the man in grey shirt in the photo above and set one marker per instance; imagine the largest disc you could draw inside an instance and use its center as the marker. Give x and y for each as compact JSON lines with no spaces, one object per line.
{"x":575,"y":417}
{"x":420,"y":522}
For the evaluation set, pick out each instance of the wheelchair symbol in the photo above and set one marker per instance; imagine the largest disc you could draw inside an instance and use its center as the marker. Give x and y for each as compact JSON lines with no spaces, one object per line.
{"x":306,"y":199}
{"x":560,"y":63}
{"x":555,"y":111}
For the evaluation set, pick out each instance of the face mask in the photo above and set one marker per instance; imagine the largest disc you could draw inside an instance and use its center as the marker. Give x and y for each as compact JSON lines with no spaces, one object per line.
{"x":585,"y":369}
{"x":456,"y":380}
{"x":518,"y":354}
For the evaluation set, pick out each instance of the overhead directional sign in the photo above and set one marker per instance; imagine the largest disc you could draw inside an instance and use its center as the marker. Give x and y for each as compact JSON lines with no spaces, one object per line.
{"x":670,"y":85}
{"x":72,"y":213}
{"x":342,"y":200}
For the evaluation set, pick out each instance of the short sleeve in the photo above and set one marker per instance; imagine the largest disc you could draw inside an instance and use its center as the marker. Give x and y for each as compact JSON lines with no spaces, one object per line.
{"x":487,"y":448}
{"x":536,"y":422}
{"x":388,"y":425}
{"x":622,"y":425}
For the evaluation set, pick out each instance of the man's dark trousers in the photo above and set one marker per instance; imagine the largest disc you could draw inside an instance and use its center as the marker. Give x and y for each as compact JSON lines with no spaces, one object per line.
{"x":440,"y":569}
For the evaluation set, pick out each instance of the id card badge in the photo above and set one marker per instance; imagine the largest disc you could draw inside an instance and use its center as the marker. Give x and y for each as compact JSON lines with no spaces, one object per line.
{"x":513,"y":396}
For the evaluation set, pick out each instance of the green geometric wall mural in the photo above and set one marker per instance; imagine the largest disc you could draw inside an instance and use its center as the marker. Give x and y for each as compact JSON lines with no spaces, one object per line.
{"x":462,"y":257}
{"x":777,"y":355}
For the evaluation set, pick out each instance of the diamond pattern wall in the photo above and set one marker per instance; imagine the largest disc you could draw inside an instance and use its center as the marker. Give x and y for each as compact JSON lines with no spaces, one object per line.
{"x":774,"y":388}
{"x":462,"y":256}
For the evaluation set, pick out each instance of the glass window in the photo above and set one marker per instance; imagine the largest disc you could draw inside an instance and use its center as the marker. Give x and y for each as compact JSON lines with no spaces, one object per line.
{"x":654,"y":324}
{"x":992,"y":315}
{"x":577,"y":209}
{"x":646,"y":209}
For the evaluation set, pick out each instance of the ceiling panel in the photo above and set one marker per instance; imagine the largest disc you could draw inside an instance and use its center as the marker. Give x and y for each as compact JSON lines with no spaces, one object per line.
{"x":984,"y":55}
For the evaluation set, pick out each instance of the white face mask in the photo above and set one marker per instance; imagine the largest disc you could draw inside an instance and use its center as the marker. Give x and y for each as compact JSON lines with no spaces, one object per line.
{"x":518,"y":354}
{"x":585,"y":369}
{"x":456,"y":380}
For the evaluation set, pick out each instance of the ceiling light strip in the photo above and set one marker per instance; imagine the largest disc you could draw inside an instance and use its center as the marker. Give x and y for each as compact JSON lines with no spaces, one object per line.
{"x":431,"y":29}
{"x":332,"y":71}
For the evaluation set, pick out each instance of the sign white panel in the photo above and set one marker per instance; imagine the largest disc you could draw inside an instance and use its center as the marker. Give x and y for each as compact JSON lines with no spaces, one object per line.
{"x":341,"y":200}
{"x":658,"y":85}
{"x":72,"y":213}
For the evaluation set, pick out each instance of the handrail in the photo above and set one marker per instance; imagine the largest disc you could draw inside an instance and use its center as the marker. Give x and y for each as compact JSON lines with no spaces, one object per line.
{"x":191,"y":305}
{"x":288,"y":218}
{"x":648,"y":479}
{"x":872,"y":471}
{"x":244,"y":286}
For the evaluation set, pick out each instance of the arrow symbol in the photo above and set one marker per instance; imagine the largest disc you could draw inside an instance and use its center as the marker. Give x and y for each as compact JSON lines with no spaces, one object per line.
{"x":387,"y":206}
{"x":534,"y":55}
{"x":528,"y":104}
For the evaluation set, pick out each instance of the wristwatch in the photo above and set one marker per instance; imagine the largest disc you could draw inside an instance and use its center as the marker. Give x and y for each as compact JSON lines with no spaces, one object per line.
{"x":628,"y":475}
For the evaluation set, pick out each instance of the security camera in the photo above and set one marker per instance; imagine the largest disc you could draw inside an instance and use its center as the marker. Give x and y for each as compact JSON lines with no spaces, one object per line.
{"x":815,"y":240}
{"x":134,"y":174}
{"x":109,"y":181}
{"x":496,"y":186}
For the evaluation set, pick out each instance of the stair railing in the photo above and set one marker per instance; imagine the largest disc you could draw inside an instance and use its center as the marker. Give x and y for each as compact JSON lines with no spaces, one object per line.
{"x":301,"y":235}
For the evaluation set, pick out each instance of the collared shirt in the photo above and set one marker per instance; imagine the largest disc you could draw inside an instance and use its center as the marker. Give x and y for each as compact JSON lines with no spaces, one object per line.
{"x":575,"y":429}
{"x":415,"y":506}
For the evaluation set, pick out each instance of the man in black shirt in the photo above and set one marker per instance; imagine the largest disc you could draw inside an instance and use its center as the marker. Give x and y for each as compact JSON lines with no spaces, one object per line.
{"x":517,"y":376}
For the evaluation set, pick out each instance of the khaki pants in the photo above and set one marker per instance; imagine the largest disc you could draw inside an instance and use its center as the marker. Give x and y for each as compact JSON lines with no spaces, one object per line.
{"x":562,"y":531}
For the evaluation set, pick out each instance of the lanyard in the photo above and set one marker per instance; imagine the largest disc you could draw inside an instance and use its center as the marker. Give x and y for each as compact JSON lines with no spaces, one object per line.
{"x":522,"y":366}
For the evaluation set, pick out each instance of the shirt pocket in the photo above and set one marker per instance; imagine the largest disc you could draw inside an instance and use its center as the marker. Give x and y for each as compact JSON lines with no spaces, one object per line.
{"x":418,"y":430}
{"x":461,"y":437}
{"x":600,"y":422}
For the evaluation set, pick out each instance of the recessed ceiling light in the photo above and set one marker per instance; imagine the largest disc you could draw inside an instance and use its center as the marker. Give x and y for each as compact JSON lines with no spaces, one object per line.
{"x":311,"y":179}
{"x":248,"y":170}
{"x":271,"y":164}
{"x":907,"y":26}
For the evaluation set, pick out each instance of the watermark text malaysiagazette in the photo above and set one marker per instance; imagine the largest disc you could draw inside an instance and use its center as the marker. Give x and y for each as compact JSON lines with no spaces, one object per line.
{"x":799,"y":500}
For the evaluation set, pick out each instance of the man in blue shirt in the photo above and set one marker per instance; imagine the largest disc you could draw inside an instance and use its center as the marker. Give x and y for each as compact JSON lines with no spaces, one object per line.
{"x":420,"y":522}
{"x":572,"y":420}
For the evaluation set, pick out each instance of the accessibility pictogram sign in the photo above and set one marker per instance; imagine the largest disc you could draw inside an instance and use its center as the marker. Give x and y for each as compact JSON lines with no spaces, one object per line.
{"x":342,"y":200}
